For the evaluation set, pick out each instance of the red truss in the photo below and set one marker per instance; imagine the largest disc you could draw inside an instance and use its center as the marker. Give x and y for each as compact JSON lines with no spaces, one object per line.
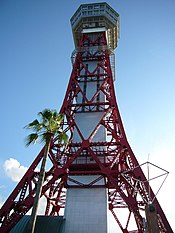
{"x":112,"y":159}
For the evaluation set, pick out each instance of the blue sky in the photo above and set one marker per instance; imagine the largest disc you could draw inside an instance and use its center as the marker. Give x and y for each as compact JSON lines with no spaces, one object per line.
{"x":35,"y":48}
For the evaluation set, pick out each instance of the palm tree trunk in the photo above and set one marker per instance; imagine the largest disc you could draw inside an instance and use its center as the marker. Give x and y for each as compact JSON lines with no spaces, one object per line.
{"x":32,"y":221}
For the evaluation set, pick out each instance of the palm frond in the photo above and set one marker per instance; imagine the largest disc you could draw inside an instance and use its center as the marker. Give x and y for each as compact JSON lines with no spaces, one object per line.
{"x":50,"y":122}
{"x":32,"y":124}
{"x":59,"y":118}
{"x":31,"y":139}
{"x":64,"y":138}
{"x":46,"y":114}
{"x":42,"y":138}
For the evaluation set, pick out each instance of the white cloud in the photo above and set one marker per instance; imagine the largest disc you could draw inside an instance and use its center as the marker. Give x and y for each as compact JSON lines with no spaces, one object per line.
{"x":14,"y":169}
{"x":1,"y":202}
{"x":1,"y":197}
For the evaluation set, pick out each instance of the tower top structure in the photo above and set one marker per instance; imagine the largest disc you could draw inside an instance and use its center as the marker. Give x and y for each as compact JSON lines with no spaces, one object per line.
{"x":96,"y":17}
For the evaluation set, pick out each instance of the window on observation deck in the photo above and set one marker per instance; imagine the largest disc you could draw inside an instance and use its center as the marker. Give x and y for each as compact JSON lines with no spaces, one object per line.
{"x":89,"y":12}
{"x":84,"y":7}
{"x":90,"y":7}
{"x":84,"y":13}
{"x":96,"y":12}
{"x":96,"y":7}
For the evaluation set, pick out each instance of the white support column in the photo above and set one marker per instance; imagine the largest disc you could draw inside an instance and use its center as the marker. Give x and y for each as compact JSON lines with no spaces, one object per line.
{"x":86,"y":208}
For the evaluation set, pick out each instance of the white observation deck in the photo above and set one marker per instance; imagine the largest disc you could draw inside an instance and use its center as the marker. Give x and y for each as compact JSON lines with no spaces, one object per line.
{"x":95,"y":17}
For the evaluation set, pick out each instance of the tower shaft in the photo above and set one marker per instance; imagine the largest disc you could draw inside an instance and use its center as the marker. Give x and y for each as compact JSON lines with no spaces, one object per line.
{"x":85,"y":207}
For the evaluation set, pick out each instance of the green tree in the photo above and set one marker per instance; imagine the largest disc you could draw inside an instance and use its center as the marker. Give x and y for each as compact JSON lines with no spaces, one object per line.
{"x":48,"y":127}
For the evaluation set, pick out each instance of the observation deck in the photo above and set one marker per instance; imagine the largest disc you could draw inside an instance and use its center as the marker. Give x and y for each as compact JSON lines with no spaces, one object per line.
{"x":96,"y":17}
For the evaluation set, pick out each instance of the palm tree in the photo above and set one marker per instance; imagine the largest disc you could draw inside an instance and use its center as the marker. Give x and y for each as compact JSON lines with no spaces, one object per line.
{"x":48,"y":127}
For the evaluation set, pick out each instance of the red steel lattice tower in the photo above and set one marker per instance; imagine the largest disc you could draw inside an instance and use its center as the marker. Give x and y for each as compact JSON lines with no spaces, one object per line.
{"x":98,"y":168}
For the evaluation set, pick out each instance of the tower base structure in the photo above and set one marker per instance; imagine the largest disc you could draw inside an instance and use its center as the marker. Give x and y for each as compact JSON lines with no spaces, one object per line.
{"x":86,"y":210}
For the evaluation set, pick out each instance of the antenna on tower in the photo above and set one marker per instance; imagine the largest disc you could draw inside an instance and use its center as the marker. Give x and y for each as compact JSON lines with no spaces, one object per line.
{"x":149,"y":199}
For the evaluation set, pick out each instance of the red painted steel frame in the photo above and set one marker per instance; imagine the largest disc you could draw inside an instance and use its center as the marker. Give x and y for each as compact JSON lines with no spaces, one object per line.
{"x":113,"y":159}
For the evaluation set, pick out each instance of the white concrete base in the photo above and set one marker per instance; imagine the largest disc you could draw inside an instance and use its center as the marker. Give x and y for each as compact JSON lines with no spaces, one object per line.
{"x":86,"y":210}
